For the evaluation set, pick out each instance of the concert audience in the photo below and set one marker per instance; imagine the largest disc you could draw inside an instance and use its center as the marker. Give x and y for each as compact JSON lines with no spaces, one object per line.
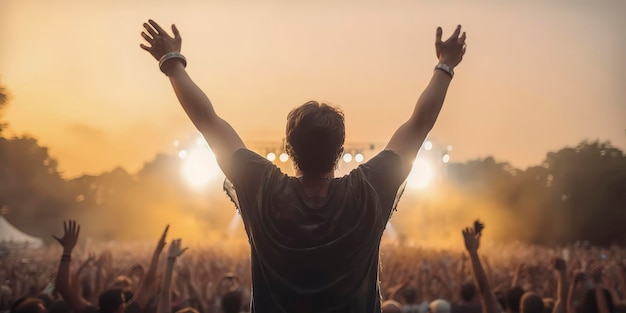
{"x":213,"y":280}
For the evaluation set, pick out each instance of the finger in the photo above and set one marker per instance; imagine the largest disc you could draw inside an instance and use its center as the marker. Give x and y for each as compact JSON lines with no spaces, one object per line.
{"x":56,"y":238}
{"x":146,"y":37}
{"x":175,"y":31}
{"x":165,"y":233}
{"x":142,"y":46}
{"x":150,"y":30}
{"x":157,"y":27}
{"x":461,"y":39}
{"x":182,"y":251}
{"x":438,"y":35}
{"x":456,"y":33}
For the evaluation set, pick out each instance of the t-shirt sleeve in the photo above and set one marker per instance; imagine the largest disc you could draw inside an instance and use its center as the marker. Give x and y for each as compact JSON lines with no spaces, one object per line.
{"x":386,"y":173}
{"x":245,"y":175}
{"x":247,"y":168}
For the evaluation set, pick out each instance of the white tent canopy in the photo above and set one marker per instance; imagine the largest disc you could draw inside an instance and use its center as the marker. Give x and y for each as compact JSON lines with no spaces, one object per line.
{"x":9,"y":235}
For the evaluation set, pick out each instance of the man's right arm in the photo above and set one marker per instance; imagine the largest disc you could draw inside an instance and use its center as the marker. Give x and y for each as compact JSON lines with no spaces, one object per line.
{"x":219,"y":134}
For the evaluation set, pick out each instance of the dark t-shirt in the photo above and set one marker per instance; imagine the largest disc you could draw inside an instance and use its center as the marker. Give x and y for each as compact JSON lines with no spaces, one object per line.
{"x":315,"y":255}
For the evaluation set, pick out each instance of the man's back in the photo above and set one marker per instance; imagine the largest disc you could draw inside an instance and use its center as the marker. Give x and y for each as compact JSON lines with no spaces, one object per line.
{"x":315,"y":254}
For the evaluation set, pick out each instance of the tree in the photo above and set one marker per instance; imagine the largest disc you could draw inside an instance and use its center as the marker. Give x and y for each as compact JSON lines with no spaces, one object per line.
{"x":4,"y":99}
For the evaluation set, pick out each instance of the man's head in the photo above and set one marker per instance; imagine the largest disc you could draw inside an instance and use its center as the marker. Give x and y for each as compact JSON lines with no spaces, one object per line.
{"x":439,"y":306}
{"x":112,"y":301}
{"x":513,"y":299}
{"x":468,"y":291}
{"x":391,"y":306}
{"x":531,"y":303}
{"x":232,"y":301}
{"x":314,"y":137}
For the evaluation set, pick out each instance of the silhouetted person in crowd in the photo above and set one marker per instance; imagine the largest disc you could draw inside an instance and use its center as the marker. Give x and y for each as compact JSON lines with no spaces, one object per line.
{"x":391,"y":306}
{"x":232,"y":302}
{"x":112,"y":301}
{"x":531,"y":303}
{"x":314,"y":237}
{"x":469,"y":300}
{"x":514,"y":299}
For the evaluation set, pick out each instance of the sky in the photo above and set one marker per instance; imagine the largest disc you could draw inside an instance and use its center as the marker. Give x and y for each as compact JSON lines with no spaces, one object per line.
{"x":537,"y":75}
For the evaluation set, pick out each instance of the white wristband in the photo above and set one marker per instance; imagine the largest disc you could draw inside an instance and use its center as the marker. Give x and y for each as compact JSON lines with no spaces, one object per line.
{"x":447,"y":69}
{"x":169,"y":56}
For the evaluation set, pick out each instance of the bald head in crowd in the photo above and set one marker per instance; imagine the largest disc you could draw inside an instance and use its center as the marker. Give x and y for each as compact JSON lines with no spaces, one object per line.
{"x":391,"y":306}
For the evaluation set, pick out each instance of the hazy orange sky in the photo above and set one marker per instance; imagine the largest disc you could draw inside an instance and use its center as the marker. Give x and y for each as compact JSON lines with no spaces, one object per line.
{"x":538,"y":75}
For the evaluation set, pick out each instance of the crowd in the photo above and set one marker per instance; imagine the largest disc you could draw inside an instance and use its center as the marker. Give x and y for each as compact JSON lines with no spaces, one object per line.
{"x":211,"y":279}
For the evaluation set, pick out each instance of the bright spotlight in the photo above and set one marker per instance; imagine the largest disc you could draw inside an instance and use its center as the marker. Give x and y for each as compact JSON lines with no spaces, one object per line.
{"x":358,"y":157}
{"x":347,"y":157}
{"x":428,"y":145}
{"x":271,"y":156}
{"x":421,"y":175}
{"x":200,"y":167}
{"x":201,"y":142}
{"x":283,"y":157}
{"x":446,"y":158}
{"x":182,"y":154}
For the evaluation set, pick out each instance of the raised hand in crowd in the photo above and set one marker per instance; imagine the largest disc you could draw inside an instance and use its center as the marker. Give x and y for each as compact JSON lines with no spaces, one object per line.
{"x":75,"y":302}
{"x":148,"y":286}
{"x":471,"y":238}
{"x":560,"y":267}
{"x":165,"y":299}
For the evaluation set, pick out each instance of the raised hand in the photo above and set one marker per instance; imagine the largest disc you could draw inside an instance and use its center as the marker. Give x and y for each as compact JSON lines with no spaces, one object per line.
{"x":176,"y":249}
{"x":71,"y":230}
{"x":161,"y":243}
{"x":451,"y":51}
{"x":472,"y":239}
{"x":159,"y":40}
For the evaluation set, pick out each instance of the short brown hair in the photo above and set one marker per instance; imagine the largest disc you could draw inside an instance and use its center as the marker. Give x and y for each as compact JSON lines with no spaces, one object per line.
{"x":315,"y":136}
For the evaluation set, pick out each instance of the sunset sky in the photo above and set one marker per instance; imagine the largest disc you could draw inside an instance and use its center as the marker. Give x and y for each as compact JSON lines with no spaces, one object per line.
{"x":538,"y":75}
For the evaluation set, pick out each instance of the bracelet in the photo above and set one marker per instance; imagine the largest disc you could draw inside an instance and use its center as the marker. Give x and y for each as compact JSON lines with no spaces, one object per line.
{"x":445,"y":68}
{"x":66,"y":258}
{"x":171,"y":55}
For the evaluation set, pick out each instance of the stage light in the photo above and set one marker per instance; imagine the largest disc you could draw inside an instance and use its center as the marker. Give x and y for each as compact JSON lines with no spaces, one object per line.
{"x":182,"y":154}
{"x":358,"y":157}
{"x":347,"y":157}
{"x":446,"y":158}
{"x":421,"y":175}
{"x":283,"y":157}
{"x":428,"y":145}
{"x":201,"y":142}
{"x":200,"y":167}
{"x":271,"y":156}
